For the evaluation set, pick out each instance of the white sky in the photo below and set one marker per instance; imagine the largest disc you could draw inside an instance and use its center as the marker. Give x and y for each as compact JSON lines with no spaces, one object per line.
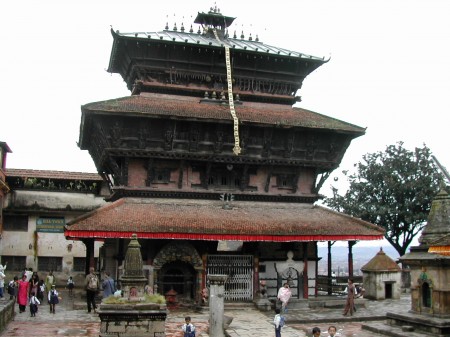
{"x":389,"y":69}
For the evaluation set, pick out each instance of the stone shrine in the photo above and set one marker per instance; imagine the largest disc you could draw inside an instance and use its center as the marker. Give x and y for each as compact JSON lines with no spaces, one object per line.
{"x":133,"y":314}
{"x":430,"y":274}
{"x":381,"y":277}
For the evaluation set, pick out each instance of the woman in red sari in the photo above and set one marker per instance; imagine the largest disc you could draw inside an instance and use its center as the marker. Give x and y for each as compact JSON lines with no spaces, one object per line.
{"x":22,"y":293}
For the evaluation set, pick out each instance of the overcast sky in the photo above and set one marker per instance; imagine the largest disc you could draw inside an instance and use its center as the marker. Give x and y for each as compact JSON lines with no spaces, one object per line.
{"x":389,"y":69}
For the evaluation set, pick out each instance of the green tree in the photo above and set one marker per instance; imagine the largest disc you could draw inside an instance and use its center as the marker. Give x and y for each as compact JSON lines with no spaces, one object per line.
{"x":392,"y":189}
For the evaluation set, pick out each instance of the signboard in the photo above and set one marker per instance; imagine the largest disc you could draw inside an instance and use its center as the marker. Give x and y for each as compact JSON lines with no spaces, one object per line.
{"x":50,"y":225}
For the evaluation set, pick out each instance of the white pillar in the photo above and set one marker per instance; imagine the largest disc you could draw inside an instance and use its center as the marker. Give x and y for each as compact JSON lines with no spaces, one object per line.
{"x":216,"y":304}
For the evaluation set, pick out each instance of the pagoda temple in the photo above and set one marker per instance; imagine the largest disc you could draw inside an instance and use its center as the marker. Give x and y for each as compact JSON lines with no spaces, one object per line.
{"x":210,"y":164}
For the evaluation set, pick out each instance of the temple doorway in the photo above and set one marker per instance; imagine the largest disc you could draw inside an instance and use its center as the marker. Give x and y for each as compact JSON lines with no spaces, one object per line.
{"x":426,"y":295}
{"x":178,"y":276}
{"x":388,"y":290}
{"x":178,"y":266}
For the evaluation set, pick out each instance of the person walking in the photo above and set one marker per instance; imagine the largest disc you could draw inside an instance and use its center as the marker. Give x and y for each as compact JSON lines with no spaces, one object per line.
{"x":22,"y":293}
{"x":41,"y":291}
{"x":278,"y":321}
{"x":49,"y":281}
{"x":91,"y":285}
{"x":350,"y":302}
{"x":34,"y":304}
{"x":316,"y":332}
{"x":188,"y":328}
{"x":70,"y":285}
{"x":28,"y":272}
{"x":53,"y":298}
{"x":108,"y":285}
{"x":12,"y":288}
{"x":2,"y":280}
{"x":284,"y":295}
{"x":34,"y":283}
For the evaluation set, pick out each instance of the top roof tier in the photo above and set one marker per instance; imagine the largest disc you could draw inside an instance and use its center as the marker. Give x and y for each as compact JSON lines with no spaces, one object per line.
{"x":261,"y":72}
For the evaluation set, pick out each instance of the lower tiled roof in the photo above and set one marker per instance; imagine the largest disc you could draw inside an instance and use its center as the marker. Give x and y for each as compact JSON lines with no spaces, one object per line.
{"x":161,"y":105}
{"x":48,"y":174}
{"x":208,"y":220}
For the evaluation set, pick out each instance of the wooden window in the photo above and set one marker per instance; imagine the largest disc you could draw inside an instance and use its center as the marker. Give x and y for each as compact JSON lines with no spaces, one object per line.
{"x":48,"y":263}
{"x":79,"y":263}
{"x":224,"y":180}
{"x":285,"y":181}
{"x":15,"y":263}
{"x":162,"y":176}
{"x":17,"y":223}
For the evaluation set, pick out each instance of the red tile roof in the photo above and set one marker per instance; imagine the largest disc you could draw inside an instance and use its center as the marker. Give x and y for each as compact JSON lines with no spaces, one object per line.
{"x":161,"y":105}
{"x":46,"y":174}
{"x":207,"y":220}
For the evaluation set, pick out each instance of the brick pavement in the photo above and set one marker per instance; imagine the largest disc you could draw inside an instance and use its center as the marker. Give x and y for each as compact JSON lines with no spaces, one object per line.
{"x":247,"y":322}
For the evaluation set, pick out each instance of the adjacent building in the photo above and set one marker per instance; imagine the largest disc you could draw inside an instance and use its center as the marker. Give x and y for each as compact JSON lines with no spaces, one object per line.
{"x":37,"y":207}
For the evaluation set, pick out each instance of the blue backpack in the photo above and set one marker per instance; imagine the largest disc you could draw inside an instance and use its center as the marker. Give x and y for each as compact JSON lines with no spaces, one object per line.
{"x":188,"y":332}
{"x":282,"y":321}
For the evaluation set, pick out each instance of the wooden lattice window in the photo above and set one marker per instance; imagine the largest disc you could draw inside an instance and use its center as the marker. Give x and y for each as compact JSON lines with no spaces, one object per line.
{"x":15,"y":263}
{"x":49,"y":263}
{"x":17,"y":223}
{"x":285,"y":180}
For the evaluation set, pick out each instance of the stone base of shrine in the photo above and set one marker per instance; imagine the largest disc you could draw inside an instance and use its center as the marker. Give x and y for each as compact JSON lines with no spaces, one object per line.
{"x":137,"y":320}
{"x":435,"y":326}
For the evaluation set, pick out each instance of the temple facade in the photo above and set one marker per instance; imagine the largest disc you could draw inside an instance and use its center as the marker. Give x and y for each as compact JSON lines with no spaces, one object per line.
{"x":211,"y":166}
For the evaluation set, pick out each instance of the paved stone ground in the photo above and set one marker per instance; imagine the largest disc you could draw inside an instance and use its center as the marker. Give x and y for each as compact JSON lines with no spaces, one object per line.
{"x":247,"y":322}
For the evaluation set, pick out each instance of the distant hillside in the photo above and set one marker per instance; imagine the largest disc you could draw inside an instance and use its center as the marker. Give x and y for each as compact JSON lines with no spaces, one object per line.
{"x":361,"y":255}
{"x":367,"y":252}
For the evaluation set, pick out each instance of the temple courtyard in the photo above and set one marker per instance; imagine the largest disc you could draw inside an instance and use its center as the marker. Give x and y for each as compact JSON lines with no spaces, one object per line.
{"x":72,"y":319}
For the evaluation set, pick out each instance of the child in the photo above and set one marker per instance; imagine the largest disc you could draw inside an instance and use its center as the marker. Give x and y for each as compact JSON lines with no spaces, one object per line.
{"x":33,"y":304}
{"x":12,"y":288}
{"x":188,"y":328}
{"x":70,"y":285}
{"x":118,"y":292}
{"x":316,"y":332}
{"x":53,"y":298}
{"x":332,"y":330}
{"x":278,"y":321}
{"x":41,"y":289}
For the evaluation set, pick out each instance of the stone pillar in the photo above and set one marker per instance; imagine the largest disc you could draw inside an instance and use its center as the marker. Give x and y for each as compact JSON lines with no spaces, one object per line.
{"x":216,"y":304}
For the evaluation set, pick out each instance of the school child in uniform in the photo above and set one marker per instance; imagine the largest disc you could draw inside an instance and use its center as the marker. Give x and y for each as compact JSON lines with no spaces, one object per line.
{"x":53,"y":298}
{"x":40,"y":290}
{"x":33,"y":304}
{"x":188,"y":328}
{"x":13,"y":287}
{"x":70,"y":285}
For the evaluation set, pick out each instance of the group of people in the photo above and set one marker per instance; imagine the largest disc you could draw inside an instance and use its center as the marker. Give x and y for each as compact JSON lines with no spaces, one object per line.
{"x":93,"y":286}
{"x":331,"y":331}
{"x":29,"y":290}
{"x":284,"y":295}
